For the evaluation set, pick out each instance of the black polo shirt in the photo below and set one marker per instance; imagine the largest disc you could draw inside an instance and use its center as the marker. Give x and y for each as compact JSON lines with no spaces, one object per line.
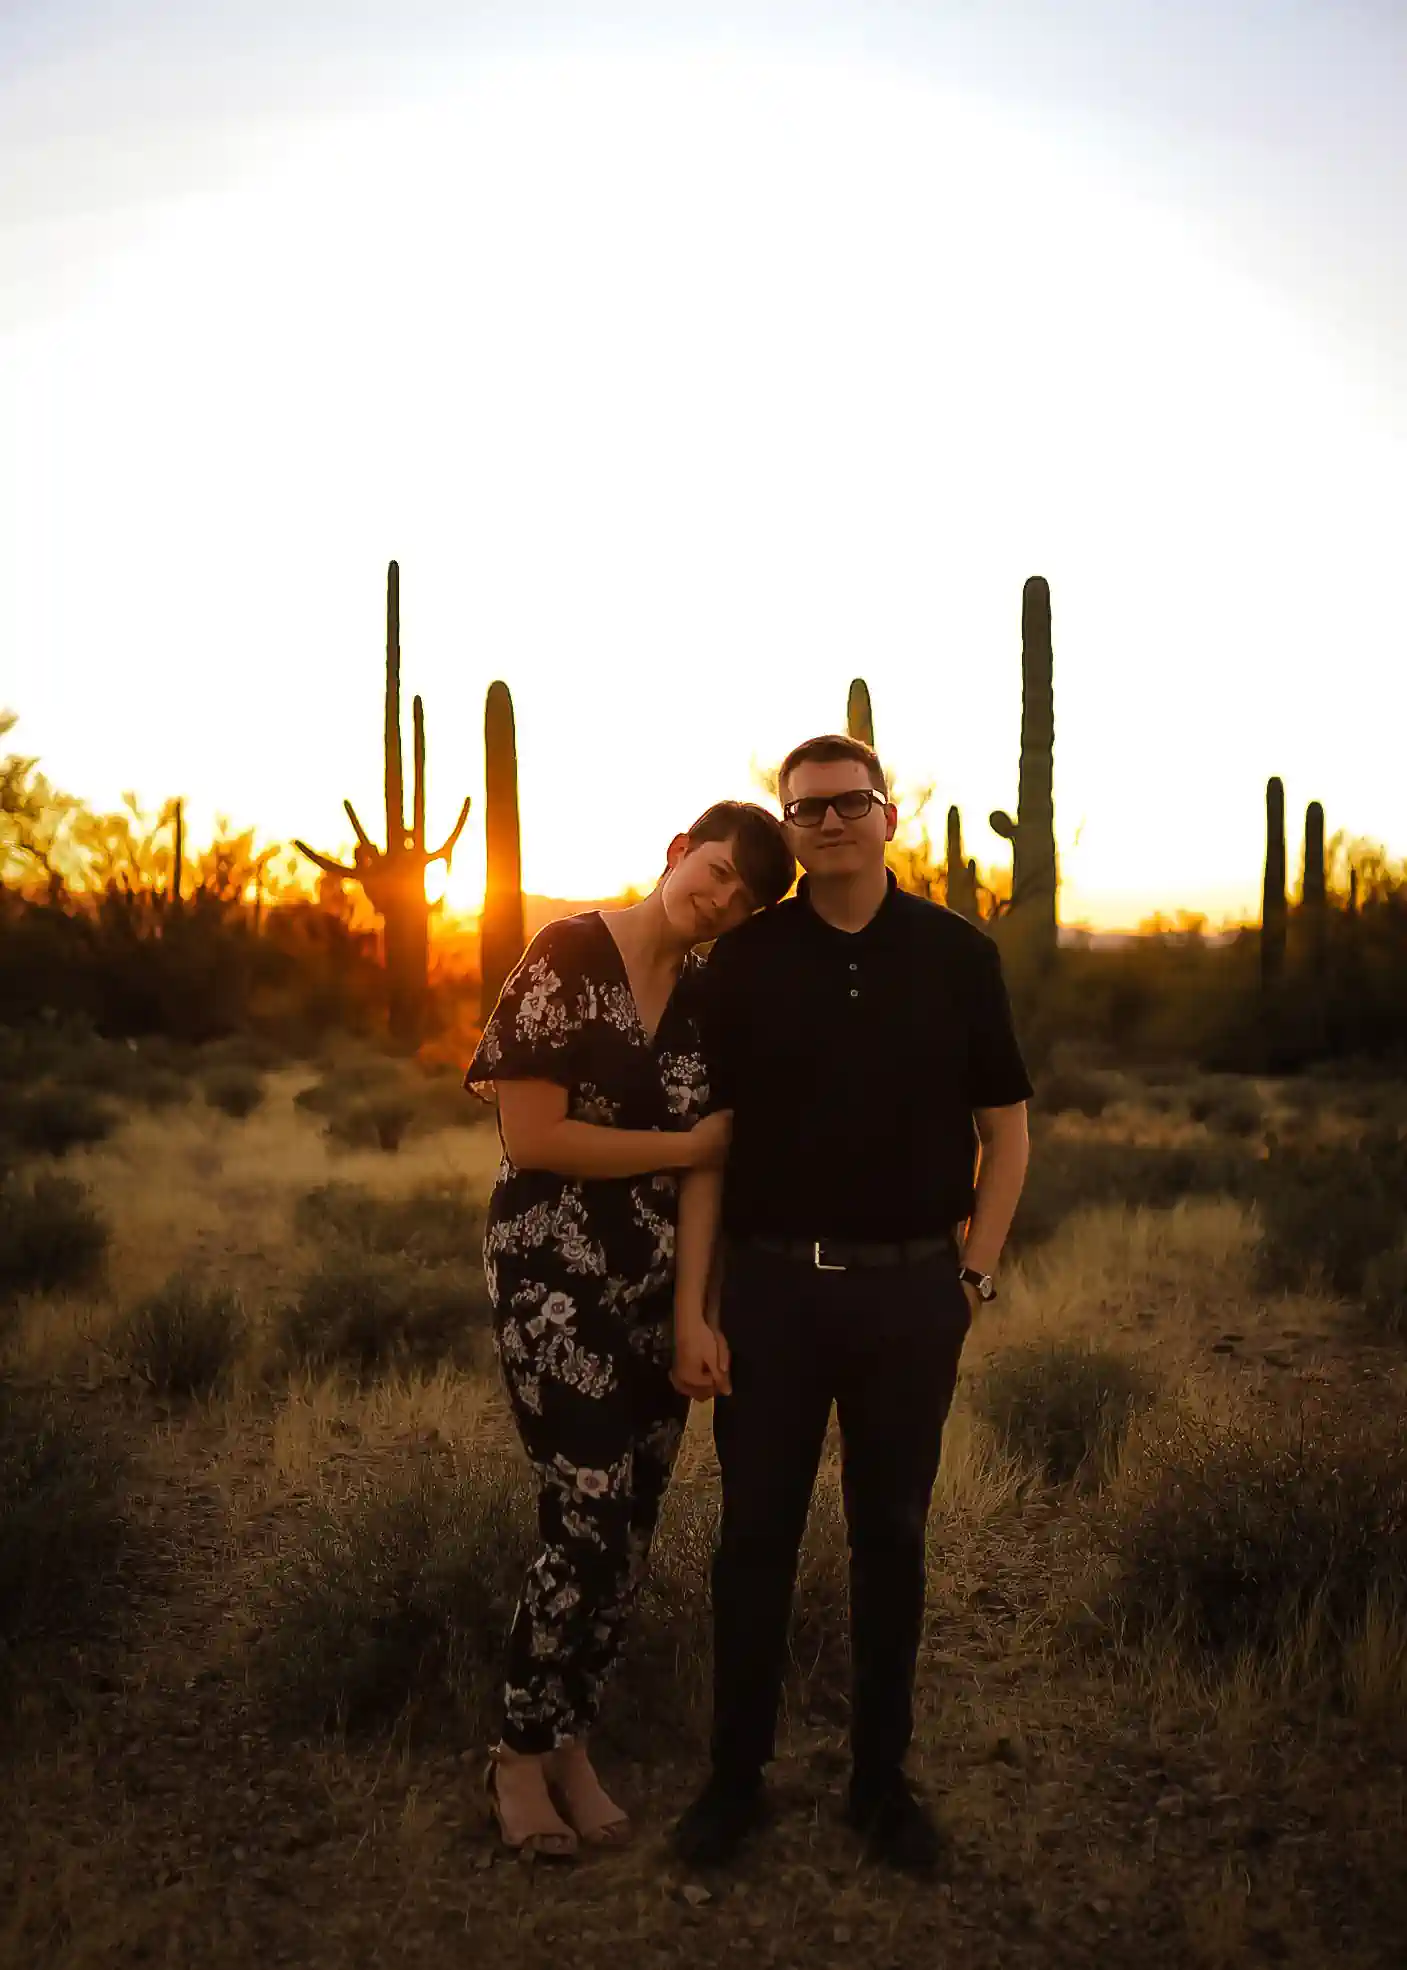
{"x":853,"y":1061}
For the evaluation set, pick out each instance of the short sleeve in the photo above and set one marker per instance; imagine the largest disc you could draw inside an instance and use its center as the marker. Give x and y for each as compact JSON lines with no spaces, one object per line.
{"x":534,"y":1031}
{"x":996,"y":1072}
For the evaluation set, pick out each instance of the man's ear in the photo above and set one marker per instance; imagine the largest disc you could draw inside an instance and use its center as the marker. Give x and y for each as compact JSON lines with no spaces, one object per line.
{"x":677,"y":850}
{"x":891,"y":820}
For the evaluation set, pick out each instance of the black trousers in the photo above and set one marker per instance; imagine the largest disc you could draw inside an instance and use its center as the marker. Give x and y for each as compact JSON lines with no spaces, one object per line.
{"x":883,"y":1345}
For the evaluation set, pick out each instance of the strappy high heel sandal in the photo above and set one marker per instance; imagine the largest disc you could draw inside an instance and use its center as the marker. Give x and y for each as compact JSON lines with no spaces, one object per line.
{"x":616,"y":1832}
{"x":547,"y":1845}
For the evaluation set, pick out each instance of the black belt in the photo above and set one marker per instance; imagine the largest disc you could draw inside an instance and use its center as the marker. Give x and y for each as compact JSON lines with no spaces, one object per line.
{"x":839,"y":1254}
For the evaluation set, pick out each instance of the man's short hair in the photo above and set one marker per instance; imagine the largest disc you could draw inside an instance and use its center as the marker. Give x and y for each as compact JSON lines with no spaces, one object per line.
{"x":760,"y":851}
{"x":834,"y":745}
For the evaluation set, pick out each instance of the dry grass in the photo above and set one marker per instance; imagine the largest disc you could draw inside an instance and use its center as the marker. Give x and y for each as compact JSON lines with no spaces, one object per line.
{"x":214,"y":1197}
{"x":1111,"y":1796}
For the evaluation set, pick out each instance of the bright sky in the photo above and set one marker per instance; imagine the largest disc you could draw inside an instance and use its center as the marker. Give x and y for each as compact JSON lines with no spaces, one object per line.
{"x":692,"y":360}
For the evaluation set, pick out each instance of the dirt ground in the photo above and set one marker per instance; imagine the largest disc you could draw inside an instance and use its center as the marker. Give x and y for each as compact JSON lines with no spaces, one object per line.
{"x":1102,"y":1809}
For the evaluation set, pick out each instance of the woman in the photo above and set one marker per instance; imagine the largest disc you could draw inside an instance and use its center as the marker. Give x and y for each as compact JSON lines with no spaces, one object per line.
{"x":593,"y":1051}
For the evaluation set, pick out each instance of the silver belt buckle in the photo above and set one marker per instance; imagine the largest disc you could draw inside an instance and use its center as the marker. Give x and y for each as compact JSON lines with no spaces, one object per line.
{"x":821,"y":1265}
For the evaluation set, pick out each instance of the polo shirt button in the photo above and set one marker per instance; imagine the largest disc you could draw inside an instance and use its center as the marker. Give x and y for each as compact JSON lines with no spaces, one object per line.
{"x":854,"y":967}
{"x":853,"y":993}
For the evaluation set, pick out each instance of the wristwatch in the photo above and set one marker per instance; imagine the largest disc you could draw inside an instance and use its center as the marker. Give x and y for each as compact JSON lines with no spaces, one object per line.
{"x":970,"y":1276}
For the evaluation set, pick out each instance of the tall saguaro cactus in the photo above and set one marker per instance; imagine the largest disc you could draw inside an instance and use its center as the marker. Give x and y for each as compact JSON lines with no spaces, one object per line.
{"x":859,"y":717}
{"x":1029,"y":930}
{"x":1273,"y":910}
{"x":1314,"y":892}
{"x":501,"y":930}
{"x":393,"y":878}
{"x":961,"y":874}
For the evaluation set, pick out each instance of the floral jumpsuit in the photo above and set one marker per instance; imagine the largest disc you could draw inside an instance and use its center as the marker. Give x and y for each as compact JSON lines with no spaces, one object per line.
{"x":581,"y":1274}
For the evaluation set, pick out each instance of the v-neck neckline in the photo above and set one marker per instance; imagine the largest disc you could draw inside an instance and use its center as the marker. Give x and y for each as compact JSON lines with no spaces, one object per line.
{"x":648,"y":1038}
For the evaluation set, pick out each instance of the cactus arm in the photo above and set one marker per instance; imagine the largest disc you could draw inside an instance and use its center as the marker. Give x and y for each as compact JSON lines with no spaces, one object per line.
{"x":859,"y":714}
{"x":1003,"y":825}
{"x":395,"y":784}
{"x":417,"y":825}
{"x":362,"y":836}
{"x":325,"y":862}
{"x":1273,"y":907}
{"x":444,"y":854}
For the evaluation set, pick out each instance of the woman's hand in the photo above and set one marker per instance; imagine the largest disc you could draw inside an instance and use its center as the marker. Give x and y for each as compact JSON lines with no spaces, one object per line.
{"x":701,"y":1362}
{"x":705,"y":1146}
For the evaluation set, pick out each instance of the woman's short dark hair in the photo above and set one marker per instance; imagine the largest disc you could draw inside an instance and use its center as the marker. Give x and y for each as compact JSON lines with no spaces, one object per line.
{"x":760,"y":852}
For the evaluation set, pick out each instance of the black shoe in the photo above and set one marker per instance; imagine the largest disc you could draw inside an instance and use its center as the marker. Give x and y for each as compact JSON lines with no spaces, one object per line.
{"x":718,"y":1823}
{"x":896,"y":1826}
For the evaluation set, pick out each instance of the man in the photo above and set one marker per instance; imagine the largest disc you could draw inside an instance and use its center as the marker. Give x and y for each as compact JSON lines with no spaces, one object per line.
{"x":863,"y":1039}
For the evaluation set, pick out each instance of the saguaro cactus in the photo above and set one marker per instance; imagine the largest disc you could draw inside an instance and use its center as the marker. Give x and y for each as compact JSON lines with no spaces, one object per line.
{"x":501,"y":929}
{"x":1314,"y":893}
{"x":393,"y":879}
{"x":961,"y":874}
{"x":1030,"y":928}
{"x":859,"y":717}
{"x":1273,"y":912}
{"x":179,"y":856}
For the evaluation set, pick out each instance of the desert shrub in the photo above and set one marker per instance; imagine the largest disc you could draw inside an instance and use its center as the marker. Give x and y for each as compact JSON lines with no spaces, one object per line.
{"x":1229,"y":1538}
{"x":378,"y":1102}
{"x":401,"y":1597}
{"x":1231,"y":1106}
{"x":344,"y":1082}
{"x":1061,"y":1089}
{"x":1062,"y":1406}
{"x":161,"y":1087}
{"x":251,"y":1050}
{"x":1385,"y":1290}
{"x":233,"y":1089}
{"x":184,"y":1339}
{"x":1065,"y":1175}
{"x":50,"y":1120}
{"x":62,"y":1538}
{"x":103,"y":1068}
{"x":368,"y":1310}
{"x":1326,"y":1211}
{"x":163,"y":1053}
{"x":435,"y":1224}
{"x":379,"y":1121}
{"x":1170,"y":1074}
{"x":50,"y":1235}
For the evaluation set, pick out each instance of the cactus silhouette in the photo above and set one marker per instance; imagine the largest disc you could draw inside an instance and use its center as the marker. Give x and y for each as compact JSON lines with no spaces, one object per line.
{"x":859,"y":717}
{"x":393,"y":879}
{"x":1029,"y":923}
{"x":1314,"y":894}
{"x":1273,"y":913}
{"x":961,"y":874}
{"x":501,"y":929}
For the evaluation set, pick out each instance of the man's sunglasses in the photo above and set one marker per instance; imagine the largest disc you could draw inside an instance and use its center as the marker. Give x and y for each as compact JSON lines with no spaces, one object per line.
{"x":853,"y":805}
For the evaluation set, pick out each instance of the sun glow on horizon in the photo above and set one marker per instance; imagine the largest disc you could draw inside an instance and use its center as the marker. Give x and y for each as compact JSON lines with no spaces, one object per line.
{"x":684,"y":391}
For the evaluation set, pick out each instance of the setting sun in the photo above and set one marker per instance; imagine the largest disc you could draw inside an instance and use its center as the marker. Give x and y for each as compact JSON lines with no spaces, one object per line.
{"x":676,"y":452}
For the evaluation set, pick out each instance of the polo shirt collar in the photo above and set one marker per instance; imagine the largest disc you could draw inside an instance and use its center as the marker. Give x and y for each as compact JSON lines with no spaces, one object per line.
{"x":879,"y":924}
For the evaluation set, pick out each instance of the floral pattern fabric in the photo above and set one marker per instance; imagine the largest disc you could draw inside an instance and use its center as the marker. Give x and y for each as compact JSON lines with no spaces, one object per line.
{"x":580,"y":1273}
